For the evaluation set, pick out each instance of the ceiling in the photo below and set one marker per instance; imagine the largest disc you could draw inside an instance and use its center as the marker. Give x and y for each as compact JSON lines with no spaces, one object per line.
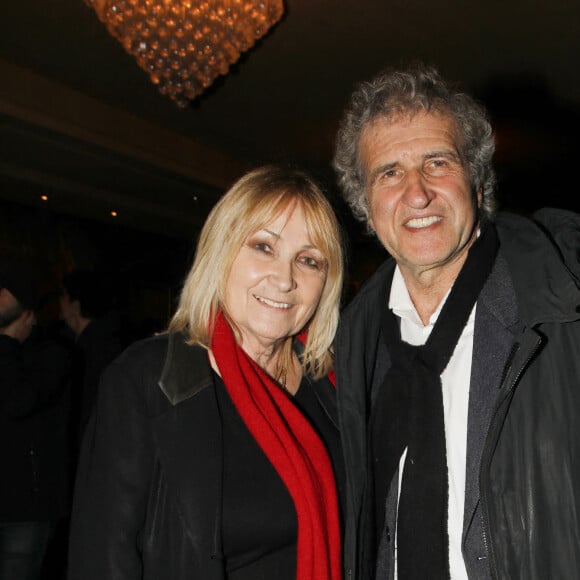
{"x":80,"y":122}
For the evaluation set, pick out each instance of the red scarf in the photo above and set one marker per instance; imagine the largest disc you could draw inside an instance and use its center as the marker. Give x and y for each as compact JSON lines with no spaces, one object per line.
{"x":294,"y":449}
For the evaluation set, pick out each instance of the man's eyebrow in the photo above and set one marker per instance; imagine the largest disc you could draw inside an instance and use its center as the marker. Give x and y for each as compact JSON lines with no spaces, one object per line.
{"x":449,"y":153}
{"x":381,"y":169}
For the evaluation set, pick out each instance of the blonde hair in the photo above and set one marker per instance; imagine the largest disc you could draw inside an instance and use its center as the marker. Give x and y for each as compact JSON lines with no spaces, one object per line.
{"x":254,"y":201}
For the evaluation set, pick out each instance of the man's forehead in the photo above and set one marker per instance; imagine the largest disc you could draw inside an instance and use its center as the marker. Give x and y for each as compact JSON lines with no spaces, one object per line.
{"x":433,"y":125}
{"x":412,"y":117}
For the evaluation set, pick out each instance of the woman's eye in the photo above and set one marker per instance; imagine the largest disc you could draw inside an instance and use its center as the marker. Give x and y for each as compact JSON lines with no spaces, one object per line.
{"x":263,"y":247}
{"x":311,"y":262}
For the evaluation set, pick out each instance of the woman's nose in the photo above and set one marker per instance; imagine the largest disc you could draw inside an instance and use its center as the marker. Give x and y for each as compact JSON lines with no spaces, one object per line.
{"x":283,"y":276}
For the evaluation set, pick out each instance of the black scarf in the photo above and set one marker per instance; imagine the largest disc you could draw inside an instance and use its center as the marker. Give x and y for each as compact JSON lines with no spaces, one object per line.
{"x":408,"y":413}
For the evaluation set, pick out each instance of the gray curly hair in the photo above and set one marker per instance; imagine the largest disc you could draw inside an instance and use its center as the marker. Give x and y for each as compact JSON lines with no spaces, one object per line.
{"x":398,"y":92}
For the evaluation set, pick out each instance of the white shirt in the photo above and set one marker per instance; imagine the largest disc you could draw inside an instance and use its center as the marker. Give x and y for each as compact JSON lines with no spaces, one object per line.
{"x":455,"y":384}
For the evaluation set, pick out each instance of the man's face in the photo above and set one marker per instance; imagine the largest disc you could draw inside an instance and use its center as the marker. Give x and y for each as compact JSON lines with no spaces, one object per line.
{"x":10,"y":308}
{"x":420,"y":201}
{"x":69,"y":309}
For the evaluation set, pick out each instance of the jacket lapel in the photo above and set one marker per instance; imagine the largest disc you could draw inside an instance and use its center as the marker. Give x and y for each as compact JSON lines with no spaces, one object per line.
{"x":495,"y":321}
{"x":189,"y":439}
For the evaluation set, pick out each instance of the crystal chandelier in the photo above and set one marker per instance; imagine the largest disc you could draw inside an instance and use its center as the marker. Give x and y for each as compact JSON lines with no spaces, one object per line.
{"x":183,"y":45}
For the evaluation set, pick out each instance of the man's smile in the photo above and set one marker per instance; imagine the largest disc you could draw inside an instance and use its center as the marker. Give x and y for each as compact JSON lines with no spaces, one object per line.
{"x":424,"y":222}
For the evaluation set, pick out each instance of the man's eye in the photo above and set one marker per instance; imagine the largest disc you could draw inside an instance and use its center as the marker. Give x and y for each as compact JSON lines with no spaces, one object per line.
{"x":437,"y":166}
{"x":390,"y":177}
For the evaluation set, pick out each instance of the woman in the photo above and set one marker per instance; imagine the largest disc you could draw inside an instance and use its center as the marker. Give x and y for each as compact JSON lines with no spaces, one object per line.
{"x":199,"y":462}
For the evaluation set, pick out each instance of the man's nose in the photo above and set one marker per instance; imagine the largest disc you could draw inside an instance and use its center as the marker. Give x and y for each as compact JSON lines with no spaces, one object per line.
{"x":417,"y":192}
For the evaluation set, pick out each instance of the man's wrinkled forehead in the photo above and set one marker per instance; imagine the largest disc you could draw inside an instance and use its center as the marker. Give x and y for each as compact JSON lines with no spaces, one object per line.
{"x":382,"y":122}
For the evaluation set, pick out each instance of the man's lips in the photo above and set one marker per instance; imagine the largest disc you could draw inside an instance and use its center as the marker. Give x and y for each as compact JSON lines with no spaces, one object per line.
{"x":422,"y":222}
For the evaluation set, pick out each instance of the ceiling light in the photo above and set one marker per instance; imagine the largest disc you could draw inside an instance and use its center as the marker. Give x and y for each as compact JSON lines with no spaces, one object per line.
{"x":185,"y":44}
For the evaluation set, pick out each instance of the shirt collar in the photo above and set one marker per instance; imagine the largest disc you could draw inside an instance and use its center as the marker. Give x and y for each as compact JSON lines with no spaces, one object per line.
{"x":401,"y":304}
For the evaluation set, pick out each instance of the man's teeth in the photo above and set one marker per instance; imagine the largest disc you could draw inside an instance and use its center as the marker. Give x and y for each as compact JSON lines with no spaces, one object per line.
{"x":272,"y":303}
{"x":423,"y":222}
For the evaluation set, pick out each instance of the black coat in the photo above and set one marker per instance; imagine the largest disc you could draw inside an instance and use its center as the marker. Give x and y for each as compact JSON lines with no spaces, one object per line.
{"x":34,"y":429}
{"x":522,"y":504}
{"x":98,"y":345}
{"x":148,"y":492}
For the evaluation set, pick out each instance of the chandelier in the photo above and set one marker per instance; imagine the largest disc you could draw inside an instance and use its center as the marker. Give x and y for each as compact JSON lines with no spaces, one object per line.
{"x":183,"y":45}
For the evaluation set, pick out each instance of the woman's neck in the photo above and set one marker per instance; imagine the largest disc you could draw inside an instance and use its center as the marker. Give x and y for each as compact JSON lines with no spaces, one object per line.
{"x":284,"y":367}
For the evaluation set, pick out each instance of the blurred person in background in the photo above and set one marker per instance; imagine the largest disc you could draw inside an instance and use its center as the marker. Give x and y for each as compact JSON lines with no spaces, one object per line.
{"x":87,"y":306}
{"x":34,"y":427}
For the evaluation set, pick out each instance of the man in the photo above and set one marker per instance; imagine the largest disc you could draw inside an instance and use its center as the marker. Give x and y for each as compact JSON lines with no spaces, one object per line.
{"x":458,"y":363}
{"x":34,"y":486}
{"x":87,"y":308}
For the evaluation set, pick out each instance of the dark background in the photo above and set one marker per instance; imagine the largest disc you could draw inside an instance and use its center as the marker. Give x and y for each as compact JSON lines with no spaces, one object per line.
{"x":83,"y":125}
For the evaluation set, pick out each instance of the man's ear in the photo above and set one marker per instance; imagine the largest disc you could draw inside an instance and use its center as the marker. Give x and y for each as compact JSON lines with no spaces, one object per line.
{"x":479,"y":198}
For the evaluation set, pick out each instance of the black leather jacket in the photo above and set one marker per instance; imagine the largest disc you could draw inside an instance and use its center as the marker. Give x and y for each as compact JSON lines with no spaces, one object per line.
{"x":148,"y":492}
{"x":523,"y":466}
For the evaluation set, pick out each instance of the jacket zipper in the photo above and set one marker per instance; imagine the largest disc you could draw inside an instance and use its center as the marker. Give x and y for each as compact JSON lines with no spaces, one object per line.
{"x":486,"y":459}
{"x":33,"y":467}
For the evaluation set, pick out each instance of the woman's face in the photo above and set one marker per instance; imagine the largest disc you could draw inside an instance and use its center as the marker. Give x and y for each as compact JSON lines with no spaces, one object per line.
{"x":275,"y":283}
